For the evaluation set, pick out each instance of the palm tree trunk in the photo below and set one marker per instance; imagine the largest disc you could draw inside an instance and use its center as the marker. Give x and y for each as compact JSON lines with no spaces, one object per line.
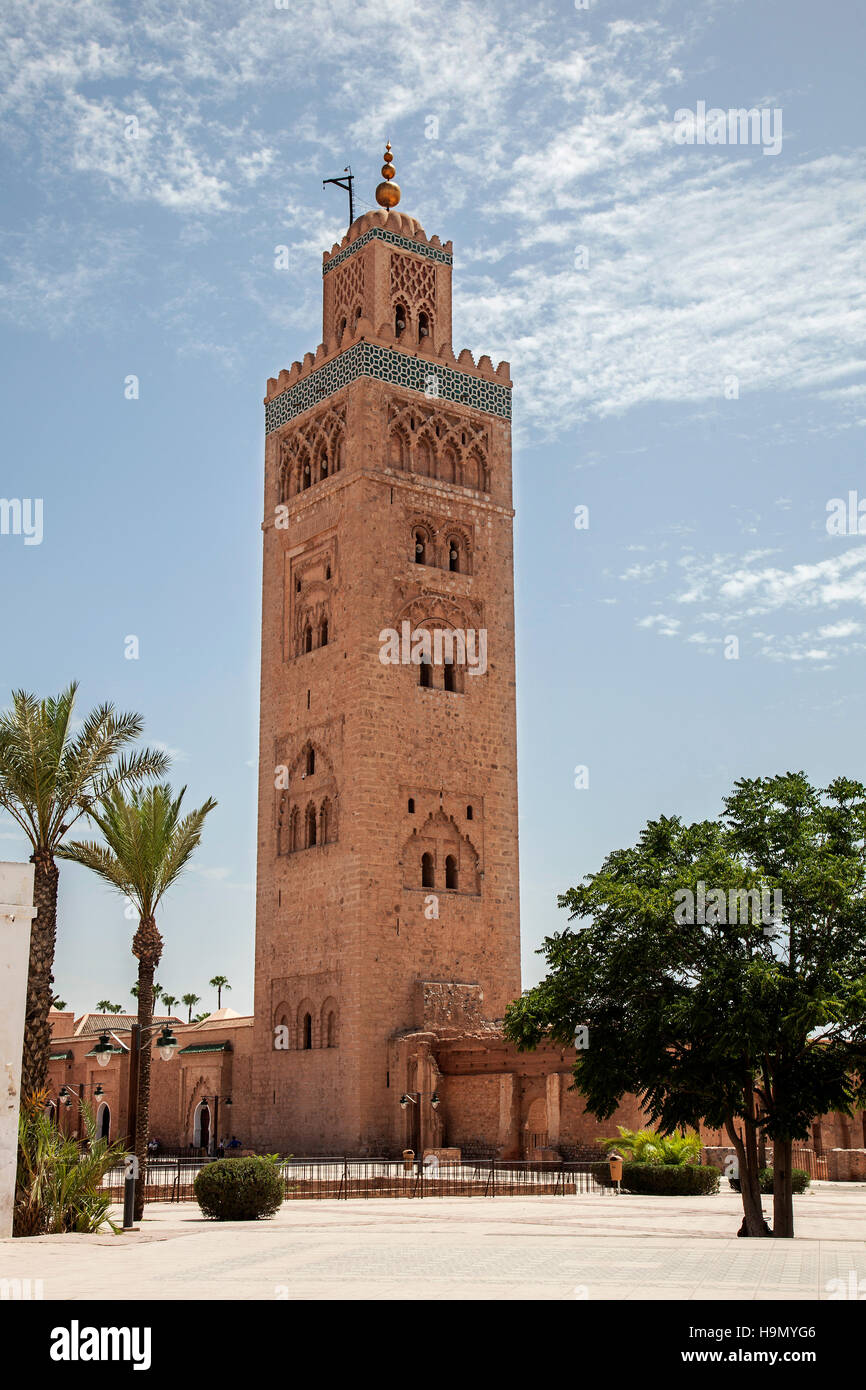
{"x":147,"y":946}
{"x":43,"y":933}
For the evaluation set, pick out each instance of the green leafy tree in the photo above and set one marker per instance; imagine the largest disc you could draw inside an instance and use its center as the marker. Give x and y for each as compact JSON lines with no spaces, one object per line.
{"x":751,"y":1026}
{"x":219,"y":983}
{"x":190,"y":1000}
{"x":147,"y":846}
{"x":51,"y":773}
{"x":58,"y":1003}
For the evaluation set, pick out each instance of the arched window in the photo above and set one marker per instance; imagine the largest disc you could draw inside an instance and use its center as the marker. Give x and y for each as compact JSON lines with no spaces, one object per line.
{"x":294,"y":826}
{"x":308,"y":638}
{"x":307,"y":1033}
{"x":424,"y":464}
{"x":323,"y":464}
{"x":311,"y":761}
{"x":399,"y":453}
{"x":103,"y":1121}
{"x":331,"y":1029}
{"x":323,"y":633}
{"x":306,"y":473}
{"x":454,"y":555}
{"x":427,"y":880}
{"x":325,"y":822}
{"x":311,"y":826}
{"x":423,"y":326}
{"x":450,"y":871}
{"x":468,"y":812}
{"x":357,"y":313}
{"x":400,"y":319}
{"x":341,"y":328}
{"x":420,"y":548}
{"x":425,"y":675}
{"x":449,"y":678}
{"x":448,"y":467}
{"x":328,"y":572}
{"x":411,"y":805}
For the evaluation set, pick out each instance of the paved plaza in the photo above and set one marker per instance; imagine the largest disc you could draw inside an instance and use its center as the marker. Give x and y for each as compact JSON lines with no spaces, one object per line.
{"x":584,"y":1247}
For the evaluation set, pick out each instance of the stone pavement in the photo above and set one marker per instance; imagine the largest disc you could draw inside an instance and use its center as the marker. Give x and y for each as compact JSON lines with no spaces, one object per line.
{"x":584,"y":1247}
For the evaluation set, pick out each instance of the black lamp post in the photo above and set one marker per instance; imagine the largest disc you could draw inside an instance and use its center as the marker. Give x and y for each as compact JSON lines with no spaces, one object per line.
{"x":214,"y":1135}
{"x":415,"y":1099}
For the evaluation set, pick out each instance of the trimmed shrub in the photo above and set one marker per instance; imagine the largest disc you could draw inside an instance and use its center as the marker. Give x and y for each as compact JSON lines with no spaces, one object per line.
{"x":800,"y":1180}
{"x":239,"y":1189}
{"x":670,"y":1179}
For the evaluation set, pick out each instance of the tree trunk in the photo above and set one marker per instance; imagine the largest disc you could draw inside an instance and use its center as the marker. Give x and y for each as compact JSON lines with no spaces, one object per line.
{"x":783,"y":1196}
{"x":43,"y":932}
{"x":753,"y":1215}
{"x":147,"y":946}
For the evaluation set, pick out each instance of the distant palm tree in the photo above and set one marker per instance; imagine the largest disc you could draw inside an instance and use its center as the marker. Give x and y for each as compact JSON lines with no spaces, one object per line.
{"x":169,"y":1002}
{"x":105,"y":1006}
{"x":147,"y":846}
{"x":189,"y":1000}
{"x":133,"y":989}
{"x":50,"y":775}
{"x":58,"y":1003}
{"x":219,"y":983}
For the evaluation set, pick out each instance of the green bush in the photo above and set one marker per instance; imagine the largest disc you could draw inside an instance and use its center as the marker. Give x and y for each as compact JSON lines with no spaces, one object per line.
{"x":670,"y":1179}
{"x":239,"y":1189}
{"x":800,"y":1180}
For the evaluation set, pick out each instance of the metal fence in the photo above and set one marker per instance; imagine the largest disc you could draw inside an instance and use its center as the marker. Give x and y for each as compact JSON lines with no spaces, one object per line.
{"x":343,"y":1178}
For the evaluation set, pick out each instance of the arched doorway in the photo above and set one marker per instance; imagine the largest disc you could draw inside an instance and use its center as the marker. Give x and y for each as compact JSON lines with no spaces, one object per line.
{"x":103,"y":1121}
{"x":535,"y":1127}
{"x":201,"y":1126}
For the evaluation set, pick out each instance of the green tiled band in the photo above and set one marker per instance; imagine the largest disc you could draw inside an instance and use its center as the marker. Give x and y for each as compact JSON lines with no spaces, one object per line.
{"x":386,"y":364}
{"x":433,"y":253}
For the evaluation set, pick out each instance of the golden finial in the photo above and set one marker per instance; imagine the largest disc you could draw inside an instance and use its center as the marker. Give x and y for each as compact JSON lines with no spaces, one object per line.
{"x":388,"y":193}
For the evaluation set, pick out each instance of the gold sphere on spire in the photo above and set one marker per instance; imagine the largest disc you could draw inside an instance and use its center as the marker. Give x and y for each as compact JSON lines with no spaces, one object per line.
{"x":388,"y":193}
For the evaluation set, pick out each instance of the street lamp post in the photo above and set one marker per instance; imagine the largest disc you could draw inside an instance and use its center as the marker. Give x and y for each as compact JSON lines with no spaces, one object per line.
{"x":213,"y":1141}
{"x":415,"y":1098}
{"x":166,"y":1048}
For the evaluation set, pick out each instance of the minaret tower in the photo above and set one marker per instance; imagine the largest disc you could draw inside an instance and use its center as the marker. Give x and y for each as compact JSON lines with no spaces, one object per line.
{"x":387,"y":822}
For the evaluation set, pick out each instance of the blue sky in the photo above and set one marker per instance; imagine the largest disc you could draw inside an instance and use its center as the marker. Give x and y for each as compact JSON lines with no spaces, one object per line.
{"x":686,"y":331}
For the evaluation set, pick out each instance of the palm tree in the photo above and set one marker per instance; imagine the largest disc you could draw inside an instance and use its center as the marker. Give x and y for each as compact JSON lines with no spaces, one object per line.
{"x":105,"y":1006}
{"x":147,"y":846}
{"x":169,"y":1002}
{"x":190,"y":1000}
{"x":219,"y":983}
{"x":58,"y":1003}
{"x":133,"y":989}
{"x":50,"y":775}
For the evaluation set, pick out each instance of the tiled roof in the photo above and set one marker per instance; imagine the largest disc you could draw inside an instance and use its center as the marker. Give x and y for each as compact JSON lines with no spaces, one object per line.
{"x":208,"y":1047}
{"x":103,"y":1023}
